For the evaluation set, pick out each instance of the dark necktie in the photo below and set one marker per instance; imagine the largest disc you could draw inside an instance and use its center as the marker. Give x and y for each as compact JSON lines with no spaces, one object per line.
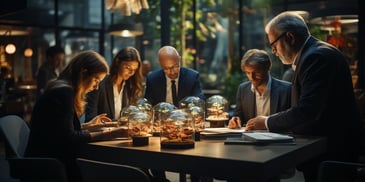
{"x":173,"y":92}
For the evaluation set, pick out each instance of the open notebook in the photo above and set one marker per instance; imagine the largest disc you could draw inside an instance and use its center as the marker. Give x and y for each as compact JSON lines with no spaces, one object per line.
{"x":261,"y":137}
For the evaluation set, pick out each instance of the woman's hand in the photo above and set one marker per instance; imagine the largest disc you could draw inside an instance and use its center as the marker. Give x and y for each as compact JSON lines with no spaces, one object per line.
{"x":100,"y":119}
{"x":110,"y":133}
{"x":97,"y":121}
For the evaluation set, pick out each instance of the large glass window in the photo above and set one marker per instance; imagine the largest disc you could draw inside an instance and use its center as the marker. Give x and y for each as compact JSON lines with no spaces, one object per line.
{"x":211,"y":35}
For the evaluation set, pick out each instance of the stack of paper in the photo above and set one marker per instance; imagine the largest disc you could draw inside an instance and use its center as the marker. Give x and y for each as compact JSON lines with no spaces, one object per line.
{"x":222,"y":132}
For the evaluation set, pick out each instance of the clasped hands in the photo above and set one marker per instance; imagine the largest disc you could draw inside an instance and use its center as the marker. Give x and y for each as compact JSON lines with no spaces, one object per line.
{"x":257,"y":123}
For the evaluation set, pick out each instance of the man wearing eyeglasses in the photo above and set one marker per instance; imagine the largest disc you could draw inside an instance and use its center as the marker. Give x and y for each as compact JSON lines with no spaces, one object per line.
{"x":159,"y":83}
{"x":171,"y":84}
{"x":323,"y":101}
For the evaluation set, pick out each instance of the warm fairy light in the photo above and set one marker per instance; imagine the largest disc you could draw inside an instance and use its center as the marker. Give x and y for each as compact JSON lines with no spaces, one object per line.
{"x":28,"y":52}
{"x":10,"y":49}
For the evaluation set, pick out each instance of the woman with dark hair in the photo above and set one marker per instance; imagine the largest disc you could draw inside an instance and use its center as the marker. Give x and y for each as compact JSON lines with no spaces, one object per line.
{"x":55,"y":129}
{"x":121,"y":88}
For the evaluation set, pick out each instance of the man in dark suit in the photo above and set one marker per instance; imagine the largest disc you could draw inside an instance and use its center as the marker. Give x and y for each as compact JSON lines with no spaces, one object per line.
{"x":49,"y":69}
{"x":323,"y":101}
{"x":158,"y":83}
{"x":261,"y":94}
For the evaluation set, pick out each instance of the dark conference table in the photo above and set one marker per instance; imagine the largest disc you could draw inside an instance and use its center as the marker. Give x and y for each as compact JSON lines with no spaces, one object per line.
{"x":209,"y":157}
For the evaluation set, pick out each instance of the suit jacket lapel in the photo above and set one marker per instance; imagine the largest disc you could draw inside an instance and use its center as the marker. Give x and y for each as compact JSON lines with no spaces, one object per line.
{"x":274,"y":97}
{"x":110,"y":95}
{"x":162,"y":87}
{"x":252,"y":100}
{"x":182,"y":81}
{"x":296,"y":86}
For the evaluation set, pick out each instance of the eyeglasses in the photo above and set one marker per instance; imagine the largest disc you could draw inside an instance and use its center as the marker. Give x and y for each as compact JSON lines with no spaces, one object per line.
{"x":277,"y":39}
{"x":172,"y":68}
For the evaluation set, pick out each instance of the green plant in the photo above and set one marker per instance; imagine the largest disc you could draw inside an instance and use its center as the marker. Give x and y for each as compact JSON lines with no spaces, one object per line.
{"x":233,"y":80}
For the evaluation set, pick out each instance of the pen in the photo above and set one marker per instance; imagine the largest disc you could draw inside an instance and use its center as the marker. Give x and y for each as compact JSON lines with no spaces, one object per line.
{"x":238,"y":124}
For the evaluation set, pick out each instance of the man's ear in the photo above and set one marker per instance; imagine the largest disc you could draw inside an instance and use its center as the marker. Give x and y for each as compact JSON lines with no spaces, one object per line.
{"x":290,"y":37}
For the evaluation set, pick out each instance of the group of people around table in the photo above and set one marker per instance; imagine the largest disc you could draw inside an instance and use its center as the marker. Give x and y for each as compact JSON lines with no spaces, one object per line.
{"x":319,"y":101}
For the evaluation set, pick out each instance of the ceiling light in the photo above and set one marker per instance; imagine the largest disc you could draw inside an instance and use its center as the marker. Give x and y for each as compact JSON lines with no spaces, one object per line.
{"x":126,"y":7}
{"x":126,"y":30}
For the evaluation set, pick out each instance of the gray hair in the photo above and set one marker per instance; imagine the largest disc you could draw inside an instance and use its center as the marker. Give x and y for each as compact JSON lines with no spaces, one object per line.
{"x":289,"y":22}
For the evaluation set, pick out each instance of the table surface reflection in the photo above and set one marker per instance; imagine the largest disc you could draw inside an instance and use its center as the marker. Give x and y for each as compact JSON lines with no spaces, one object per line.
{"x":209,"y":157}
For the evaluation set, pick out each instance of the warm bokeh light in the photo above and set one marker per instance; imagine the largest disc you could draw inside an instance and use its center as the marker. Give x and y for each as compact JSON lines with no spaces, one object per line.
{"x":28,"y":52}
{"x":10,"y":49}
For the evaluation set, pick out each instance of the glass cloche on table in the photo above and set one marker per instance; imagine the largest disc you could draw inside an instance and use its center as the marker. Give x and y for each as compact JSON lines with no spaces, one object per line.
{"x":139,"y":124}
{"x":196,"y":108}
{"x":160,"y":112}
{"x":144,"y":105}
{"x":177,"y":130}
{"x":124,"y":114}
{"x":217,"y":111}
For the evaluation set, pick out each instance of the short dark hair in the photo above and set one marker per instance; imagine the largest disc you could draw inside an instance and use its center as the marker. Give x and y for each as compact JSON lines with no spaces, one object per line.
{"x":256,"y":57}
{"x":54,"y":50}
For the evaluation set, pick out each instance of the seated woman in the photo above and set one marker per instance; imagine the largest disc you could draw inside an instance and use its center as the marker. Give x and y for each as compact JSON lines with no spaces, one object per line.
{"x":55,"y":129}
{"x":122,"y":87}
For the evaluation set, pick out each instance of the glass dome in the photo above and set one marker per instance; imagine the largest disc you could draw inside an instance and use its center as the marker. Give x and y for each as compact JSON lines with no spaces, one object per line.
{"x":125,"y":112}
{"x":139,"y":125}
{"x":191,"y":101}
{"x":144,"y":105}
{"x":160,"y":112}
{"x":177,"y":130}
{"x":196,"y":108}
{"x":217,"y":107}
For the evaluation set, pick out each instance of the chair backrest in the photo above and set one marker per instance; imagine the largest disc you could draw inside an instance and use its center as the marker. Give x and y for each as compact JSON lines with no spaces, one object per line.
{"x":37,"y":169}
{"x":330,"y":171}
{"x":15,"y":132}
{"x":102,"y":171}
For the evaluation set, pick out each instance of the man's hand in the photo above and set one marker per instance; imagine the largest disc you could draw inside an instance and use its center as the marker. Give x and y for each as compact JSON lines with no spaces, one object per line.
{"x":234,"y":122}
{"x":257,"y":123}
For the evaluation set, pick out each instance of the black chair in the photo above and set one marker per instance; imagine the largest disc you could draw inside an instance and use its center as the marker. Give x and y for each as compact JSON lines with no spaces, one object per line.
{"x":15,"y":132}
{"x":96,"y":171}
{"x":336,"y":171}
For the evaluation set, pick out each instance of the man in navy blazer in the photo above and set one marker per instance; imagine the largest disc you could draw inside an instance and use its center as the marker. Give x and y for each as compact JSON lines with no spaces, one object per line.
{"x":158,"y":83}
{"x":261,"y":94}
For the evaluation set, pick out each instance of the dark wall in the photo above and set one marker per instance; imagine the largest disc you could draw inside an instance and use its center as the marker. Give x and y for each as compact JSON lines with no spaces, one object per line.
{"x":11,"y":6}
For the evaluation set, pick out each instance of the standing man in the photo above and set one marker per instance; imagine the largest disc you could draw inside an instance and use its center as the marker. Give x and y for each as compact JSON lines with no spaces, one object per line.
{"x":158,"y":83}
{"x":49,"y":69}
{"x":323,"y":102}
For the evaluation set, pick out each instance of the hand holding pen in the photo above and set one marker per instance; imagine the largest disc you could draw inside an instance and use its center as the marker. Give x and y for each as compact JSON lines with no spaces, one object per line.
{"x":234,"y":122}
